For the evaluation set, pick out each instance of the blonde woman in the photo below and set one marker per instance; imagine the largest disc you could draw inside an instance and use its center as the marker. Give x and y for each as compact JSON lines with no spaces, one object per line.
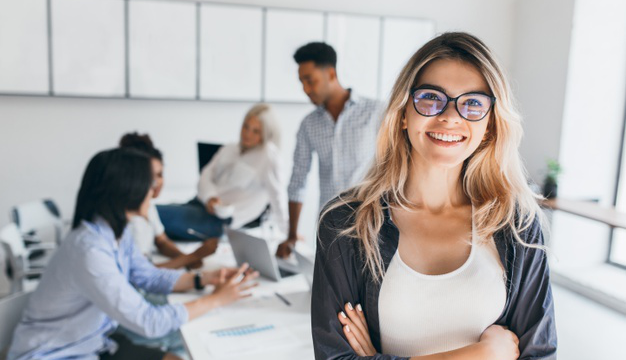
{"x":243,"y":177}
{"x":438,"y":253}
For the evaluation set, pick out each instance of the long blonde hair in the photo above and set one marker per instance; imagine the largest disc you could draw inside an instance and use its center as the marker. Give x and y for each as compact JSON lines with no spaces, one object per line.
{"x":493,"y":177}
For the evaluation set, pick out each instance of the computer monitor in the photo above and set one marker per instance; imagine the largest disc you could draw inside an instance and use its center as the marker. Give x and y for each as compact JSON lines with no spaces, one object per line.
{"x":206,"y":151}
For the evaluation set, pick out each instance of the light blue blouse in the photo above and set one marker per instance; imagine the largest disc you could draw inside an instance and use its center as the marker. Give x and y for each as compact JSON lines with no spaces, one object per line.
{"x":87,"y":290}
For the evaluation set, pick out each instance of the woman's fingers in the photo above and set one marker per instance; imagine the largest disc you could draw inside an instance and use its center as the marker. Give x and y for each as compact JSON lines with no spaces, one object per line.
{"x":241,"y":270}
{"x":357,"y":319}
{"x":249,"y":276}
{"x":230,"y":271}
{"x":248,"y":286}
{"x":359,"y":311}
{"x":361,"y":337}
{"x":238,"y":276}
{"x":352,"y":340}
{"x":515,"y":339}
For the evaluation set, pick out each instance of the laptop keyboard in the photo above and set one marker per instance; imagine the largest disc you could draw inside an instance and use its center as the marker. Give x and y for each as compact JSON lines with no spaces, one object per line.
{"x":285,"y":273}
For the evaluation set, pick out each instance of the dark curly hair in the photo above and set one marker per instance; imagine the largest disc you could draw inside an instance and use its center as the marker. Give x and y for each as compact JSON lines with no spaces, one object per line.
{"x":142,"y":143}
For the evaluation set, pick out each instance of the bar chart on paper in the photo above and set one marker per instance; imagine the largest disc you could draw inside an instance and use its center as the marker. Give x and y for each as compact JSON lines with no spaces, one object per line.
{"x":247,"y":339}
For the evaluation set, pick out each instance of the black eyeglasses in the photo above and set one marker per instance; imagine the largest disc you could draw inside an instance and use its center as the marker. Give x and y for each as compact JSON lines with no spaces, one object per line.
{"x":472,"y":106}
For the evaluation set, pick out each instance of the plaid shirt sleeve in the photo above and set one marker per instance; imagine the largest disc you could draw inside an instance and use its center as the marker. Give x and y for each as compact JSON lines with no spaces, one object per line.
{"x":302,"y":157}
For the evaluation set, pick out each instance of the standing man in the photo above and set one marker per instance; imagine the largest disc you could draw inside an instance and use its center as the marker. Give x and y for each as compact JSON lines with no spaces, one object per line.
{"x":342,"y":131}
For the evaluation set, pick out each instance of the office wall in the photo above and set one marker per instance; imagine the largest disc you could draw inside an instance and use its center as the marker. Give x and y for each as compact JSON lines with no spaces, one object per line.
{"x":45,"y":143}
{"x":540,"y":58}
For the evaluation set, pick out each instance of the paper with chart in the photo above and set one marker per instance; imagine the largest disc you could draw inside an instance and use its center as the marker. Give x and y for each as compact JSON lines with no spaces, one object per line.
{"x":247,"y":339}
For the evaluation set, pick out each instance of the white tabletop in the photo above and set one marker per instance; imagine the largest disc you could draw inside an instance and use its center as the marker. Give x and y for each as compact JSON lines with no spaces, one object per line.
{"x":289,"y":338}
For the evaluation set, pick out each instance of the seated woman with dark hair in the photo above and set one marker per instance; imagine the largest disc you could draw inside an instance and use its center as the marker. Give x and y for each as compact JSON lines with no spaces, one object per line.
{"x":149,"y":232}
{"x":88,"y":288}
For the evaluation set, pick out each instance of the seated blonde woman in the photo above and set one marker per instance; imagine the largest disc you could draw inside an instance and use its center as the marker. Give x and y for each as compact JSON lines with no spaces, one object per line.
{"x":242,"y":178}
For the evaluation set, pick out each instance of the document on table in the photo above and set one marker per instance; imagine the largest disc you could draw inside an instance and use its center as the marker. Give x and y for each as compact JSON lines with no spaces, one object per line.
{"x":247,"y":339}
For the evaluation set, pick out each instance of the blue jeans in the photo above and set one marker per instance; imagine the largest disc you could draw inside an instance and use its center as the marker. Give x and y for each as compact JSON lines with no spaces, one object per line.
{"x":172,"y":342}
{"x":179,"y":218}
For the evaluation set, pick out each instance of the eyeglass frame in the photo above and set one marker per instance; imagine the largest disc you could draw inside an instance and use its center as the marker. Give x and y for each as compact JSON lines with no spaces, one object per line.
{"x":450,"y":99}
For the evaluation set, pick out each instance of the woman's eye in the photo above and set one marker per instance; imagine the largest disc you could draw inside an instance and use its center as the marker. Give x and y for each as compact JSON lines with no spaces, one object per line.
{"x":429,"y":96}
{"x":473,"y":102}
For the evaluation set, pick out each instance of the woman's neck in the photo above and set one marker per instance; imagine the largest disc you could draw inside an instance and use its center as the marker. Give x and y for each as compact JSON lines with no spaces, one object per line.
{"x":435,"y":188}
{"x":130,"y":214}
{"x":244,"y":149}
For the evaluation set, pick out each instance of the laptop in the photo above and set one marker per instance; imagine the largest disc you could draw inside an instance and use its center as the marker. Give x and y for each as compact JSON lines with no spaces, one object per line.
{"x":305,"y":267}
{"x":256,"y":252}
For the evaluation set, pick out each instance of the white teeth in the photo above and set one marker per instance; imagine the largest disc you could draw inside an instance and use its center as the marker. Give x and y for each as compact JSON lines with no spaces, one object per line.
{"x":446,"y":137}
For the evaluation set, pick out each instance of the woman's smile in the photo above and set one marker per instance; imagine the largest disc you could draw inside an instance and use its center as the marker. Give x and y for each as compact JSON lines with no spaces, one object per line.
{"x":445,"y":139}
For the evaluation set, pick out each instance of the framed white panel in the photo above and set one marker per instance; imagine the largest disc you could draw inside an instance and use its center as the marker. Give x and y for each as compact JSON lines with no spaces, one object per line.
{"x":88,"y":47}
{"x":162,"y":49}
{"x":356,"y":39}
{"x":401,"y":39}
{"x":23,"y":46}
{"x":286,"y":31}
{"x":230,"y":66}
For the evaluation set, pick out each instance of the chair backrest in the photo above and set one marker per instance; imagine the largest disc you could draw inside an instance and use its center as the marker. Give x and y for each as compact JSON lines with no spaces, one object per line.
{"x":206,"y":152}
{"x":6,"y":271}
{"x":40,"y":218}
{"x":11,"y":236}
{"x":11,"y":309}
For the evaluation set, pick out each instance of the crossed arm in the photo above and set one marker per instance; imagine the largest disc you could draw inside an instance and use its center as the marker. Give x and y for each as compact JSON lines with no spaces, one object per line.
{"x":496,"y":342}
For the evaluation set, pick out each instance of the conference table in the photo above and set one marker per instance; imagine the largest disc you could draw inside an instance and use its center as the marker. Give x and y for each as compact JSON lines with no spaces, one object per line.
{"x":274,"y":323}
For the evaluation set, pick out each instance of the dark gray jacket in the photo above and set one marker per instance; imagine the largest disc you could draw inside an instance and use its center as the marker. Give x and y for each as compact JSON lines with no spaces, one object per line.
{"x":341,"y":276}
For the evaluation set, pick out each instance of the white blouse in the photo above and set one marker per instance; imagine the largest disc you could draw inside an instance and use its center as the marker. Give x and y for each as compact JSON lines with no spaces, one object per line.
{"x":145,"y":230}
{"x":427,"y":314}
{"x":248,"y":181}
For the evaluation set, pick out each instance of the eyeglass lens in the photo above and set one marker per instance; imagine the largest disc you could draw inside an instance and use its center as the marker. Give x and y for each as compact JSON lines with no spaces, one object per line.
{"x":472,"y":106}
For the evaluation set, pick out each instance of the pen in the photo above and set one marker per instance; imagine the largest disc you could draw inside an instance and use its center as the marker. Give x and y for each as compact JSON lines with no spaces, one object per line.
{"x":282,"y":298}
{"x":197,"y":234}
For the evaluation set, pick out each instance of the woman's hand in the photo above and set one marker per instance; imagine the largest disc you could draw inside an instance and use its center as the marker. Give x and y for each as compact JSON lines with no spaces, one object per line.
{"x":500,"y":342}
{"x":230,"y":285}
{"x":210,"y":205}
{"x":356,"y":331}
{"x":218,"y":277}
{"x":235,"y":286}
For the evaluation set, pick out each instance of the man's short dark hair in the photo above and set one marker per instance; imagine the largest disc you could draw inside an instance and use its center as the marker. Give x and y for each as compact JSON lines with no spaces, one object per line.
{"x":115,"y":181}
{"x":320,"y":53}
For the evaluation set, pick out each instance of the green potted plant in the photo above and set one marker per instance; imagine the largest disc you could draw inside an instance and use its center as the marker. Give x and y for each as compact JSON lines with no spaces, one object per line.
{"x":550,"y":184}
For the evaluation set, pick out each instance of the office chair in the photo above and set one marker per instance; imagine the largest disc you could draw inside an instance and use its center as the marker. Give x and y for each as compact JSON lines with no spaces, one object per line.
{"x":6,"y":273}
{"x":39,"y":221}
{"x":11,"y":309}
{"x":19,"y":263}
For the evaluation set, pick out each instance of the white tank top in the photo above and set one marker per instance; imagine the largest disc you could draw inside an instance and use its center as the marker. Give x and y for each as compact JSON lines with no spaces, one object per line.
{"x":427,"y":314}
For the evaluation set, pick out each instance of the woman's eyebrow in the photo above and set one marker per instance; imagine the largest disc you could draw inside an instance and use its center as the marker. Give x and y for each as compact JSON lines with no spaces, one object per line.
{"x":439,"y":88}
{"x":432,"y":87}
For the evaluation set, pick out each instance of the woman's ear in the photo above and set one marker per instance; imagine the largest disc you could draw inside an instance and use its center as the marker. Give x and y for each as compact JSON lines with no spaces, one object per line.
{"x":404,"y":125}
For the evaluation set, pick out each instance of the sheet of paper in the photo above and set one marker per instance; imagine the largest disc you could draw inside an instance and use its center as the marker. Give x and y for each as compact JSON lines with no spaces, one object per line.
{"x":247,"y":339}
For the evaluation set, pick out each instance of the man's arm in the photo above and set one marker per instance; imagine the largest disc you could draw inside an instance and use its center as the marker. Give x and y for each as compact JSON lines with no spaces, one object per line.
{"x":302,"y":157}
{"x":284,"y":249}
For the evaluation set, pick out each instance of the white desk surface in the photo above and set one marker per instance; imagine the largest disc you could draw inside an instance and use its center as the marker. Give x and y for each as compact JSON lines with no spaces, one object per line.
{"x":262,"y":308}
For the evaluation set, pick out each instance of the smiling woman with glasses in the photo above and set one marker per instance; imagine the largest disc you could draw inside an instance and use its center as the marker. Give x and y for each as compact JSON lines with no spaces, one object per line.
{"x":439,"y":252}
